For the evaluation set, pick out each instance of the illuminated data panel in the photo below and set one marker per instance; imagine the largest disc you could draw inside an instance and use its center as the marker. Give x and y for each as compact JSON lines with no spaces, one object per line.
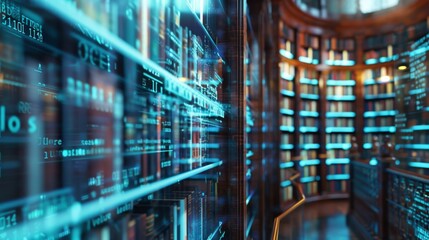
{"x":413,"y":119}
{"x":102,"y":103}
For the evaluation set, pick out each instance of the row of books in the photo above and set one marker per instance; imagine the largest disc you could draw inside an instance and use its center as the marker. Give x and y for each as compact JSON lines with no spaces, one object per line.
{"x":341,"y":75}
{"x":341,"y":186}
{"x":311,"y":188}
{"x":308,"y":154}
{"x":379,"y":41}
{"x":309,"y":171}
{"x":308,"y":40}
{"x":338,"y":138}
{"x":341,"y":55}
{"x":286,"y":69}
{"x":309,"y":74}
{"x":286,"y":32}
{"x":287,"y":85}
{"x":287,"y":103}
{"x":375,"y":89}
{"x":414,"y":155}
{"x":377,"y":73}
{"x":309,"y":106}
{"x":338,"y":169}
{"x":379,"y":54}
{"x":309,"y":53}
{"x":309,"y":89}
{"x":286,"y":193}
{"x":287,"y":120}
{"x":285,"y":156}
{"x":308,"y":138}
{"x":380,"y":121}
{"x":340,"y":44}
{"x":286,"y":139}
{"x":309,"y":122}
{"x":340,"y":122}
{"x":336,"y":153}
{"x":340,"y":107}
{"x":340,"y":90}
{"x":386,"y":104}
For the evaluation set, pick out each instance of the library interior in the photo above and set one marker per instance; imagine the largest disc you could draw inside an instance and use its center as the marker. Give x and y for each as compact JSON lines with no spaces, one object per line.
{"x":214,"y":119}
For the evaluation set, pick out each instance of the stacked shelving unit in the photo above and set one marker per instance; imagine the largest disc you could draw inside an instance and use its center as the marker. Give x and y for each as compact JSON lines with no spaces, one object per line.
{"x":340,"y":51}
{"x":340,"y":126}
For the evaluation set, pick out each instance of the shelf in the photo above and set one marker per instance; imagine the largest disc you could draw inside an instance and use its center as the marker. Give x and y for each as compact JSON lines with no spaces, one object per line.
{"x":331,"y":161}
{"x":286,"y":54}
{"x":308,"y":60}
{"x":308,"y":114}
{"x":390,"y":129}
{"x":172,"y":84}
{"x":286,"y":183}
{"x":373,"y":81}
{"x":305,"y":129}
{"x":340,"y":114}
{"x":344,"y":146}
{"x":286,"y":165}
{"x":340,"y":129}
{"x":412,"y":146}
{"x":341,"y":98}
{"x":340,"y":62}
{"x":334,"y":83}
{"x":332,"y":177}
{"x":384,"y":113}
{"x":309,"y":162}
{"x":380,"y":96}
{"x":309,"y":146}
{"x":327,"y":196}
{"x":420,"y":128}
{"x":372,"y":61}
{"x":309,"y":81}
{"x":419,"y":164}
{"x":309,"y":96}
{"x":310,"y":179}
{"x":286,"y":146}
{"x":285,"y":111}
{"x":287,"y":128}
{"x":287,"y":77}
{"x":78,"y":213}
{"x":287,"y":93}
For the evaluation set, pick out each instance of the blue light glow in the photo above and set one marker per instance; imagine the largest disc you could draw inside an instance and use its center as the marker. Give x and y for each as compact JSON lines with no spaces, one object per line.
{"x":380,"y":96}
{"x":340,"y":114}
{"x":287,"y":93}
{"x":419,"y":164}
{"x":286,"y":146}
{"x":287,"y":111}
{"x":287,"y":128}
{"x":413,"y":146}
{"x":287,"y":76}
{"x":310,"y":179}
{"x":340,"y":129}
{"x":367,"y":145}
{"x":332,"y":82}
{"x":344,"y":146}
{"x":308,"y":146}
{"x":305,"y":59}
{"x":309,"y":162}
{"x":385,"y":113}
{"x":420,"y":127}
{"x":286,"y":183}
{"x":286,"y":165}
{"x":330,"y":161}
{"x":340,"y":62}
{"x":310,"y":96}
{"x":338,"y":177}
{"x":308,"y":114}
{"x":373,"y":162}
{"x":309,"y":81}
{"x":305,"y":129}
{"x":390,"y":129}
{"x":341,"y":98}
{"x":286,"y":54}
{"x":371,"y":61}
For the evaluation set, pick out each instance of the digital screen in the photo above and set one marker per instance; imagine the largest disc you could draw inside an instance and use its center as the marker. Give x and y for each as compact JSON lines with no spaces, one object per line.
{"x":103,"y":103}
{"x":412,"y":120}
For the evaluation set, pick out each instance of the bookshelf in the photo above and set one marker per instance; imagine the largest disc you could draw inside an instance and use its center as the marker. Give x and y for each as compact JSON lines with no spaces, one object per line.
{"x":287,"y":128}
{"x":309,"y":137}
{"x":308,"y":48}
{"x":340,"y":126}
{"x":287,"y":40}
{"x":379,"y":48}
{"x":379,"y":103}
{"x":340,"y":51}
